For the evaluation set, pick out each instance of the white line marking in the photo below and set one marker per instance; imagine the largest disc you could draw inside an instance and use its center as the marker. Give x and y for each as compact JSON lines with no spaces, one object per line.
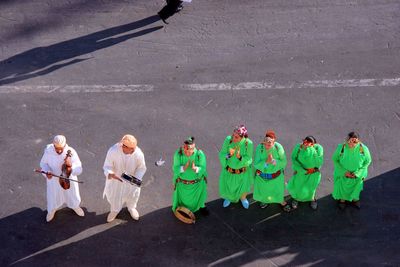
{"x":130,"y":88}
{"x":143,"y":88}
{"x":289,"y":85}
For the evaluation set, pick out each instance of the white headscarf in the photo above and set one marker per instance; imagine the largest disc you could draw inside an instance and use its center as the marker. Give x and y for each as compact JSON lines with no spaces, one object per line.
{"x":59,"y":141}
{"x":129,"y":141}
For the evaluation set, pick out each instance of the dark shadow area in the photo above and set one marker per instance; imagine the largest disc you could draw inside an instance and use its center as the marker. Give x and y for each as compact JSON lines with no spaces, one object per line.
{"x":43,"y":60}
{"x":227,"y":237}
{"x":48,"y":16}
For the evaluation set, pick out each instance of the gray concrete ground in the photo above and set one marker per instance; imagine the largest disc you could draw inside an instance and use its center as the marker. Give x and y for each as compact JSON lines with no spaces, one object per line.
{"x":321,"y":68}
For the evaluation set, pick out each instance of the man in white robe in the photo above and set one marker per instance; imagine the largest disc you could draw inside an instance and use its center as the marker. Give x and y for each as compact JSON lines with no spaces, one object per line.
{"x":123,"y":157}
{"x":51,"y":163}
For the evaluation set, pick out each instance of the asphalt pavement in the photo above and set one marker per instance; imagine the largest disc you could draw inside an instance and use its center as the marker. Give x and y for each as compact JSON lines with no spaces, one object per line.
{"x":96,"y":70}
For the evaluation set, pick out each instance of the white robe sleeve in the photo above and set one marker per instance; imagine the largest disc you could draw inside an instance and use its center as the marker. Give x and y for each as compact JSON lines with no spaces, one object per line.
{"x":76,"y":164}
{"x":109,"y":163}
{"x":141,"y":167}
{"x":44,"y":163}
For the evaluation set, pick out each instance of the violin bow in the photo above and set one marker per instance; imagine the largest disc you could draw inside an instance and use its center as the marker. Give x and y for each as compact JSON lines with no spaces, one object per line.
{"x":59,"y":176}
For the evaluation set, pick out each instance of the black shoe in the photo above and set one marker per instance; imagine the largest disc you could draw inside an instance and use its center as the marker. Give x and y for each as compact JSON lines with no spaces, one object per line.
{"x":179,"y":8}
{"x":162,"y":19}
{"x":357,"y":204}
{"x":204,"y":211}
{"x":314,"y":205}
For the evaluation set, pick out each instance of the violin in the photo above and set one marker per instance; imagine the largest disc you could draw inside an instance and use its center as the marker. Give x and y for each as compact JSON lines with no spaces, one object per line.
{"x":66,"y":172}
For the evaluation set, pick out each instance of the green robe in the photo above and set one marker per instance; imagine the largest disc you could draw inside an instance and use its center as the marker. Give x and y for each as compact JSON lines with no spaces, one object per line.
{"x":190,"y":196}
{"x":269,"y":190}
{"x":355,"y":160}
{"x":302,"y":186}
{"x":233,"y":186}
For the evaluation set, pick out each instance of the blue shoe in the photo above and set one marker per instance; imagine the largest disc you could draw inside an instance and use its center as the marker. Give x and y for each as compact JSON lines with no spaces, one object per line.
{"x":226,"y":203}
{"x":245,"y":203}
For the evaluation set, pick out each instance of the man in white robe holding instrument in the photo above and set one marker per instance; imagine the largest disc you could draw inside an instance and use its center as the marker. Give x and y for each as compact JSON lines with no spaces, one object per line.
{"x":124,"y":159}
{"x":61,"y":159}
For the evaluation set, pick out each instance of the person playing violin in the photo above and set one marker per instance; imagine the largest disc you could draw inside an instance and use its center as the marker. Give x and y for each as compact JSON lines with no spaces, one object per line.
{"x":61,"y":159}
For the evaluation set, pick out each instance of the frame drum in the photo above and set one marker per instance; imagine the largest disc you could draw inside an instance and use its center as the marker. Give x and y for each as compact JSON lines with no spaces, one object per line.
{"x":185,"y":215}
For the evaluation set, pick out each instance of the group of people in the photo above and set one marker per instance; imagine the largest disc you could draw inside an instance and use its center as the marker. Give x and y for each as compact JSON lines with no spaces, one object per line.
{"x":124,"y":168}
{"x":265,"y":173}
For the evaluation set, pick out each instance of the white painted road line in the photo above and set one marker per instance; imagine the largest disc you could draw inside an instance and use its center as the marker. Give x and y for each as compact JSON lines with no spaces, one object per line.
{"x":131,"y":88}
{"x":290,"y":85}
{"x":143,"y":88}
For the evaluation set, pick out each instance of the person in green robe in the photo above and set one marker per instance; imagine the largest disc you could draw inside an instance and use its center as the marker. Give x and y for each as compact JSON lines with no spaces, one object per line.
{"x":269,"y":163}
{"x":351,"y":160}
{"x":236,"y":158}
{"x":307,"y":160}
{"x":190,"y":178}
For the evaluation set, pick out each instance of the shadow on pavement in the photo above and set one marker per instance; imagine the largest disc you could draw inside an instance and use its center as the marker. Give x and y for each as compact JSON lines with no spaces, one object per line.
{"x":227,"y":237}
{"x":43,"y":60}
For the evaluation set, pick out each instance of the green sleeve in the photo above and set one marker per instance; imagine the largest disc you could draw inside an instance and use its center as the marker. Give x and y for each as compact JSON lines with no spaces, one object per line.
{"x":247,"y":158}
{"x":176,"y":167}
{"x":259,"y":163}
{"x":296,"y":165}
{"x":224,"y":151}
{"x":336,"y":160}
{"x":202,"y":164}
{"x":282,"y":161}
{"x":320,"y":155}
{"x":367,"y":161}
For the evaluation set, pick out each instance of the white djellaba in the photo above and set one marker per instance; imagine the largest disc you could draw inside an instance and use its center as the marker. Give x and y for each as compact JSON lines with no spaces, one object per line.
{"x":117,"y":191}
{"x":52,"y":162}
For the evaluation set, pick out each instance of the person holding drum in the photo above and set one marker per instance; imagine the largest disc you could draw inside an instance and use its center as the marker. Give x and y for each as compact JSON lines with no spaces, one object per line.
{"x":236,"y":158}
{"x":189,"y":182}
{"x":124,"y":168}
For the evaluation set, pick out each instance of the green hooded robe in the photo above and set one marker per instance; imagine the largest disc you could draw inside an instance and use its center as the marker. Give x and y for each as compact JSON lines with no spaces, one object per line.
{"x":269,"y":190}
{"x":355,"y":160}
{"x":231,"y":185}
{"x":190,"y":196}
{"x":303,"y":186}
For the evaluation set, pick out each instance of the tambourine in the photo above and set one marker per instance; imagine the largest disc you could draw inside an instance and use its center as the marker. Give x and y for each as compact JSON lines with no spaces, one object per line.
{"x":131,"y":179}
{"x":185,"y":215}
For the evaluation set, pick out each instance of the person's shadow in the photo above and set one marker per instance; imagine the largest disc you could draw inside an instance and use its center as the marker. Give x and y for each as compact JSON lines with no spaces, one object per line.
{"x":43,"y":60}
{"x":229,"y":236}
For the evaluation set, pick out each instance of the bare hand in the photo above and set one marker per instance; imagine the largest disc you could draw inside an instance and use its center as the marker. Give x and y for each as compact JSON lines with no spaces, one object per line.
{"x":270,"y":158}
{"x":113,"y":176}
{"x":238,"y":154}
{"x":193,"y":166}
{"x":186,"y":165}
{"x":68,"y":162}
{"x":49,"y":175}
{"x":310,"y":171}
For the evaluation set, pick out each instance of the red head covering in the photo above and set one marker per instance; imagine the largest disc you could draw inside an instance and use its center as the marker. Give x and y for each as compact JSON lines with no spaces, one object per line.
{"x":270,"y":134}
